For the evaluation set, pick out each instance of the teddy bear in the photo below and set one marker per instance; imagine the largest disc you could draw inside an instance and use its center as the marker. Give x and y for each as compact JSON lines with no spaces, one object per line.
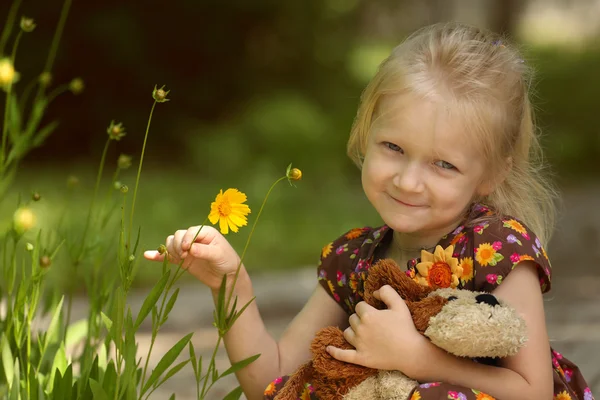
{"x":462,"y":322}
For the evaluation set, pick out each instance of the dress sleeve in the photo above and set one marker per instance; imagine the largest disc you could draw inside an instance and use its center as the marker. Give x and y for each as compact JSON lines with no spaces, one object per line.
{"x":499,"y":245}
{"x":337,"y":264}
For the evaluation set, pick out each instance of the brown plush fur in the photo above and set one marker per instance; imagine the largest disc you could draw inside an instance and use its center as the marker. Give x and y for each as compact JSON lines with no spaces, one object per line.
{"x":331,"y":378}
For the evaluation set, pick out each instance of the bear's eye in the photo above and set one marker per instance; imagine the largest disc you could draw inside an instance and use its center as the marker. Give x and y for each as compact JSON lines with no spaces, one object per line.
{"x":452,"y":298}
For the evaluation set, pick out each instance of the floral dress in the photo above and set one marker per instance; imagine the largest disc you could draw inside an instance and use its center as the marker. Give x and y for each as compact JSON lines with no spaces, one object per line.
{"x":487,"y":247}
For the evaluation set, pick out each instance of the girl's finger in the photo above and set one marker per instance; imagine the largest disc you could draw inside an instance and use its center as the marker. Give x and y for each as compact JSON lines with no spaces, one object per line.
{"x":354,"y":321}
{"x":177,"y":242}
{"x":153,"y":255}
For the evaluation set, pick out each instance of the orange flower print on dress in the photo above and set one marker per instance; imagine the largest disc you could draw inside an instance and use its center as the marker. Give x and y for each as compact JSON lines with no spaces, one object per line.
{"x":482,"y":396}
{"x":332,"y":290}
{"x":438,"y":270}
{"x":354,"y":233}
{"x":326,"y":250}
{"x":467,"y":267}
{"x":516,"y":226}
{"x":563,"y":396}
{"x":308,"y":389}
{"x":487,"y":254}
{"x":415,"y":396}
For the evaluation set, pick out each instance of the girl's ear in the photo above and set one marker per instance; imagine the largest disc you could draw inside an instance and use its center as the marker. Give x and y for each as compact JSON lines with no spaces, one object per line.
{"x":489,"y":185}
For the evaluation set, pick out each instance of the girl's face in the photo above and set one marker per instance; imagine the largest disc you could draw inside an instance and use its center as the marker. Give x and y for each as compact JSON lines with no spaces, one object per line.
{"x":420,"y":171}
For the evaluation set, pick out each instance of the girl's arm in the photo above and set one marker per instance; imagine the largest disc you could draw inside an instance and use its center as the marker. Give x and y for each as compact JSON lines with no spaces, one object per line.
{"x":249,"y":336}
{"x":526,"y":375}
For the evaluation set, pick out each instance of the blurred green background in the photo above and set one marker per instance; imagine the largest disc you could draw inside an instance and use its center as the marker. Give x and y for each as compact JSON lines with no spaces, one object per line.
{"x":256,"y":85}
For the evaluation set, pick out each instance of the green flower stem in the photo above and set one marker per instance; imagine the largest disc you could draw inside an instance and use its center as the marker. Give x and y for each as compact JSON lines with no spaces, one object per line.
{"x":137,"y":179}
{"x":10,"y":21}
{"x":57,"y":92}
{"x":26,"y":94}
{"x":237,"y":272}
{"x":230,"y":294}
{"x":64,"y":12}
{"x":178,"y":273}
{"x":91,"y":208}
{"x":3,"y":156}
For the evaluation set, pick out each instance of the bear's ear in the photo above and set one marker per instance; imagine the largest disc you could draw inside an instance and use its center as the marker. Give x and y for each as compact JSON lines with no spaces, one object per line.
{"x":387,"y":272}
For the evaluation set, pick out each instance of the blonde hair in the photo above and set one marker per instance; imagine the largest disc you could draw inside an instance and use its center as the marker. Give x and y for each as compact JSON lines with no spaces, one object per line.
{"x":487,"y":82}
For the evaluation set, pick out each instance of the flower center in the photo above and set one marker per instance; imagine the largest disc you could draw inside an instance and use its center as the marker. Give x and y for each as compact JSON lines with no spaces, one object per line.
{"x":439,"y":275}
{"x":486,"y":253}
{"x":225,"y":209}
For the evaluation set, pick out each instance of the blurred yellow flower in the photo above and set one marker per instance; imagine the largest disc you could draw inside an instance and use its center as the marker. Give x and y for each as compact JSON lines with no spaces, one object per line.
{"x":24,"y":219}
{"x":8,"y":75}
{"x":228,"y":210}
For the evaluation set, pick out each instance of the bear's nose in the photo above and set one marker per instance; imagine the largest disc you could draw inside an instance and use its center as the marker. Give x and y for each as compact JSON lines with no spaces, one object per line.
{"x":487,"y":299}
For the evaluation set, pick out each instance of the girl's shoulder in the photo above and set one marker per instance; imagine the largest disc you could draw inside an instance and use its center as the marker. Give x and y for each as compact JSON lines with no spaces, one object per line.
{"x":489,"y":246}
{"x":345,"y":261}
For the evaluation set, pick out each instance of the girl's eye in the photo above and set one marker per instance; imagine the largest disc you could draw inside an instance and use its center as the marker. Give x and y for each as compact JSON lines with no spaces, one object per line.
{"x":394,"y":147}
{"x":444,"y":164}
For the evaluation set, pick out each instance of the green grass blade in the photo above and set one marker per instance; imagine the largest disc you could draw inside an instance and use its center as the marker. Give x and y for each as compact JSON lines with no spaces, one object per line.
{"x":235,"y":394}
{"x":239,"y":365}
{"x":151,"y":300}
{"x":166,"y":361}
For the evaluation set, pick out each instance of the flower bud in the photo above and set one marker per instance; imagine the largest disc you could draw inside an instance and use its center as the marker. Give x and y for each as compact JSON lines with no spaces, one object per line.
{"x":295,"y":174}
{"x":24,"y":219}
{"x":162,"y":249}
{"x":27,"y":24}
{"x":124,"y":161}
{"x":76,"y":86}
{"x":160,"y":95}
{"x":36,"y":196}
{"x":116,"y":131}
{"x":29,"y":247}
{"x":131,"y":257}
{"x":124,"y":189}
{"x":45,"y":261}
{"x":117,"y":185}
{"x":45,"y":79}
{"x":8,"y":75}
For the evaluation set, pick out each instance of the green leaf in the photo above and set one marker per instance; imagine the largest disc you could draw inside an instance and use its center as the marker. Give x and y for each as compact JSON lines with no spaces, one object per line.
{"x":52,"y":333}
{"x":151,"y":300}
{"x":235,"y":394}
{"x":107,"y":322}
{"x":193,"y":359}
{"x":15,"y":119}
{"x":173,"y":371}
{"x":16,"y":382}
{"x":166,"y":361}
{"x":43,"y":133}
{"x":99,"y":393}
{"x":239,"y":365}
{"x":7,"y":359}
{"x":237,"y":314}
{"x":169,"y":306}
{"x":220,"y":315}
{"x":76,"y":332}
{"x":110,"y":379}
{"x":172,"y":397}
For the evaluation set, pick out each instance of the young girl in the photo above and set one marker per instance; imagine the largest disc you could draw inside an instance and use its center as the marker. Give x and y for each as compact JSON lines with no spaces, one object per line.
{"x":445,"y":140}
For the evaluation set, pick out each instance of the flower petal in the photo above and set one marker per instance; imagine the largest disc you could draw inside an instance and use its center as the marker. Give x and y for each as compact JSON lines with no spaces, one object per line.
{"x":223,"y":226}
{"x":438,"y":254}
{"x":426,"y":256}
{"x":448,"y":252}
{"x":423,"y":268}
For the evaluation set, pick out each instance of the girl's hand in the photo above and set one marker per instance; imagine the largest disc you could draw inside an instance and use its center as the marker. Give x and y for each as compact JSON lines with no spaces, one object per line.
{"x":383,"y":339}
{"x":208,"y":258}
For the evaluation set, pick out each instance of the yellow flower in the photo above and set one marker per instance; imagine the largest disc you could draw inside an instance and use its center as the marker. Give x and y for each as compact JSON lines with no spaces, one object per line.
{"x":326,"y":250}
{"x":270,"y":389}
{"x":295,"y":174}
{"x":563,"y":396}
{"x":515,"y":225}
{"x":467,"y":267}
{"x":416,"y":395}
{"x":228,"y":210}
{"x":440,"y":269}
{"x":24,"y":219}
{"x":485,"y":254}
{"x":8,"y":75}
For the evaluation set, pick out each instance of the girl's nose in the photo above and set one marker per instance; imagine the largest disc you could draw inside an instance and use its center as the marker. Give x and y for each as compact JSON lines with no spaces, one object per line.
{"x":409,"y":178}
